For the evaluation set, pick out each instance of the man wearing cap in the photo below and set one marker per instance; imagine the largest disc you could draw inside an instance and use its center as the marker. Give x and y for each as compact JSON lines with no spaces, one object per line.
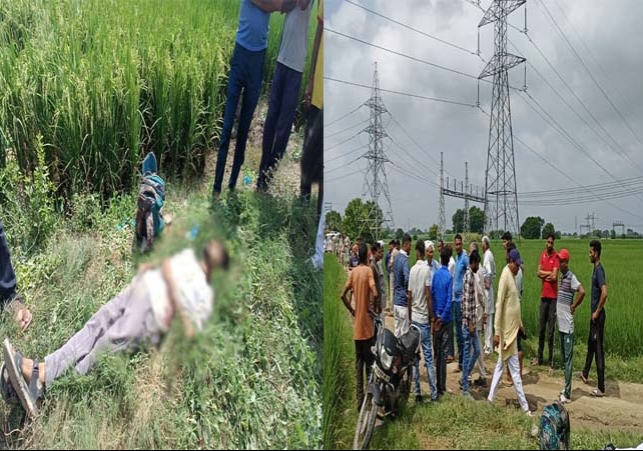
{"x":548,"y":272}
{"x":489,"y":274}
{"x":507,"y":325}
{"x":431,"y":262}
{"x":565,"y":308}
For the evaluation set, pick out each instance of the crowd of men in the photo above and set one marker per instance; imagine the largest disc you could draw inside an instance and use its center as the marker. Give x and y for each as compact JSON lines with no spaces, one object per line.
{"x":453,"y":298}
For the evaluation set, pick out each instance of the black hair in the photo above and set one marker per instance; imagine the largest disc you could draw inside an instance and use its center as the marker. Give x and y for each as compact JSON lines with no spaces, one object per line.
{"x":419,"y":246}
{"x":457,"y":237}
{"x":596,"y":245}
{"x":474,"y":257}
{"x":406,"y":238}
{"x":551,"y":235}
{"x":375,"y":247}
{"x":506,"y":236}
{"x":363,"y":252}
{"x":445,"y":255}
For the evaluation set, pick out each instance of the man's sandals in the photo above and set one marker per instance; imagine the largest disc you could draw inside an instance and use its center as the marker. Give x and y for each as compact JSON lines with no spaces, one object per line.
{"x":14,"y":387}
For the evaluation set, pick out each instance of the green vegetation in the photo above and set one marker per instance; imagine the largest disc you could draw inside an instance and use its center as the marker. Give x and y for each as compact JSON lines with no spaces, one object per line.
{"x":455,"y":423}
{"x":105,"y":82}
{"x":251,"y":380}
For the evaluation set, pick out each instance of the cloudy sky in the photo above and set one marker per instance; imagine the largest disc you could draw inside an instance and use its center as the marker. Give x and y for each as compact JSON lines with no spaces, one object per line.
{"x":588,"y":143}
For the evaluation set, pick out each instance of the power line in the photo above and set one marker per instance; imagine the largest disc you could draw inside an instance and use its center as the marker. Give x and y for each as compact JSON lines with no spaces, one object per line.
{"x":326,"y":149}
{"x":579,"y":100}
{"x":412,"y":29}
{"x":401,"y":93}
{"x":343,"y":116}
{"x":344,"y":154}
{"x":589,"y":52}
{"x":343,"y":176}
{"x":589,"y":72}
{"x":413,"y":58}
{"x":345,"y":130}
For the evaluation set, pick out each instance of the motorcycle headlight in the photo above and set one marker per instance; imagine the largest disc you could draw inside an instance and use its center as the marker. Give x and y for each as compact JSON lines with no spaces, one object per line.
{"x":385,"y":359}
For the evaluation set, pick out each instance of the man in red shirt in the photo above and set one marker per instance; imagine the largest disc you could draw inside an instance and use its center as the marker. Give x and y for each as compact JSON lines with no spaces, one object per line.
{"x":548,"y":272}
{"x":362,"y":284}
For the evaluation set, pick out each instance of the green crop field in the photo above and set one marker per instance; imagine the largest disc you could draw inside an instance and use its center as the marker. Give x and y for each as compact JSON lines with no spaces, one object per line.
{"x":100,"y":83}
{"x":624,"y":316}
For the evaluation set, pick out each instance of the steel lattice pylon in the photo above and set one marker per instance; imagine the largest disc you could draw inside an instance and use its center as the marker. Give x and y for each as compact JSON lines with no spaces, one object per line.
{"x":375,"y":180}
{"x":501,"y":198}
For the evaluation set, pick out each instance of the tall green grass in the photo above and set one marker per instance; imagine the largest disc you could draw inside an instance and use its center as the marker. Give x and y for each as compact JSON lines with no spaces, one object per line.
{"x":339,"y":357}
{"x":104,"y":82}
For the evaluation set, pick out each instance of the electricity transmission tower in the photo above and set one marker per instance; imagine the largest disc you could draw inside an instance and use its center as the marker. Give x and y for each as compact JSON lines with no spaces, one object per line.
{"x":442,"y":222}
{"x":501,"y":198}
{"x":375,"y":181}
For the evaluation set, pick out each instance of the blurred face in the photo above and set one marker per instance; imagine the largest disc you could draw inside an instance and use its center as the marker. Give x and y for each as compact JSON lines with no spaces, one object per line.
{"x":355,"y":249}
{"x":564,"y":266}
{"x":440,"y":246}
{"x":379,"y":254}
{"x":429,"y":253}
{"x":504,"y":243}
{"x":407,"y":247}
{"x":513,"y":267}
{"x":550,"y":245}
{"x":390,"y":247}
{"x":593,"y":255}
{"x":475,"y":266}
{"x":458,"y":245}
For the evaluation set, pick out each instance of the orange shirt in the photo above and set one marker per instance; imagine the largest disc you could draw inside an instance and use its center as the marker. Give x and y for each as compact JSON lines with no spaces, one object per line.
{"x":549,"y":263}
{"x":361,"y":281}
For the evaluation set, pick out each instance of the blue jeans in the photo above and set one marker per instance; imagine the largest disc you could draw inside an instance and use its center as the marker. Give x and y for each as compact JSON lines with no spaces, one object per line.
{"x":7,"y":276}
{"x":246,"y":72}
{"x":457,"y":320}
{"x":282,"y":105}
{"x":426,"y":341}
{"x":470,"y":342}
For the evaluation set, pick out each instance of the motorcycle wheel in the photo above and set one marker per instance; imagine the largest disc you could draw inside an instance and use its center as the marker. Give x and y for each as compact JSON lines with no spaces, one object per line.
{"x":365,"y":423}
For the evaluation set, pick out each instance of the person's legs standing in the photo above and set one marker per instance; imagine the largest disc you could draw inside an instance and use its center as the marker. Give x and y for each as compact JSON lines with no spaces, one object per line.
{"x":481,"y":368}
{"x":551,"y":319}
{"x":458,"y":320}
{"x":466,"y":356}
{"x":253,"y":69}
{"x":270,"y":125}
{"x":488,"y":334}
{"x":591,"y":349}
{"x":567,"y":347}
{"x":235,"y":84}
{"x":495,"y":381}
{"x":513,"y":364}
{"x":600,"y":352}
{"x":289,"y":97}
{"x":427,"y":351}
{"x":542,"y":323}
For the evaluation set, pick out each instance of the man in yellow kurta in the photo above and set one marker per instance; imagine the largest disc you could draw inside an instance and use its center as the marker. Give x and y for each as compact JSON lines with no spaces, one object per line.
{"x":507,"y":325}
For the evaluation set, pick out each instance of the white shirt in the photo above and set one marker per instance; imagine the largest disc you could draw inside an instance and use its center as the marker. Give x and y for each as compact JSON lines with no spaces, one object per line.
{"x":419,"y":278}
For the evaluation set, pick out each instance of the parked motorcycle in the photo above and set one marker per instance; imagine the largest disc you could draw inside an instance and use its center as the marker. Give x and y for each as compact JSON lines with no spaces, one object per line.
{"x":389,"y":380}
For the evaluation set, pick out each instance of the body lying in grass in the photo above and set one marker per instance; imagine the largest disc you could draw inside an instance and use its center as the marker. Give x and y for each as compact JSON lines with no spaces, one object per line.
{"x":141,"y":313}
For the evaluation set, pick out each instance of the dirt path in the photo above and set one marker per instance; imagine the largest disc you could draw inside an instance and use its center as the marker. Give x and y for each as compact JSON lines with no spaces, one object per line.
{"x":621,"y":408}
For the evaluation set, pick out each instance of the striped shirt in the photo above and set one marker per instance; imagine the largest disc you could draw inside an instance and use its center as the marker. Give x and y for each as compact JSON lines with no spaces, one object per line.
{"x":469,"y":300}
{"x":569,"y":284}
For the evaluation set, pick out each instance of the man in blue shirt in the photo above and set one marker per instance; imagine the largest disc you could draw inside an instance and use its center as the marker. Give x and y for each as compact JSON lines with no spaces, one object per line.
{"x":246,"y":72}
{"x":401,"y":285}
{"x":461,"y":265}
{"x":441,"y":298}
